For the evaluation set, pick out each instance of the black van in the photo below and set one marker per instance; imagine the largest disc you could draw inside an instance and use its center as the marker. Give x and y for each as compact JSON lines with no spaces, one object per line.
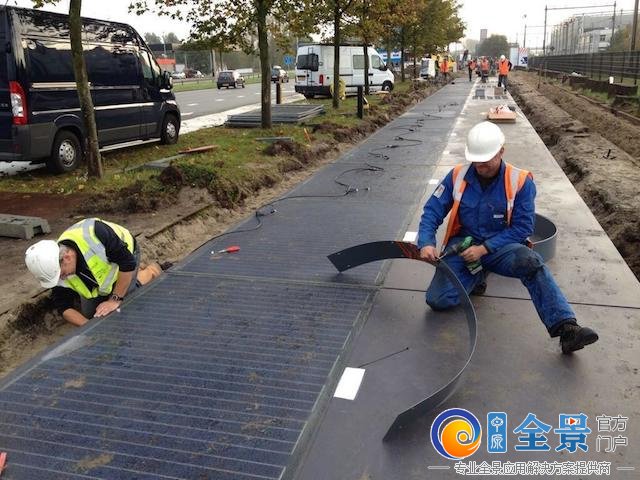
{"x":40,"y":117}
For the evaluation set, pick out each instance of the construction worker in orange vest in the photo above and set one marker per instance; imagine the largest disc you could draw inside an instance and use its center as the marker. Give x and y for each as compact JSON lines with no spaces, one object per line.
{"x":444,"y":68}
{"x":492,"y":202}
{"x":472,"y":66}
{"x":484,"y":69}
{"x":504,"y":66}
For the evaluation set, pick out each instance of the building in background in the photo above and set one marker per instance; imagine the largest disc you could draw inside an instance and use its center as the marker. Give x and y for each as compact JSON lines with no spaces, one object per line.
{"x":483,"y":34}
{"x":585,"y":33}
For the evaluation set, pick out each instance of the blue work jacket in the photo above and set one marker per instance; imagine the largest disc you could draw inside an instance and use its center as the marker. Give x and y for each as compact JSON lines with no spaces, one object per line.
{"x":482,"y":214}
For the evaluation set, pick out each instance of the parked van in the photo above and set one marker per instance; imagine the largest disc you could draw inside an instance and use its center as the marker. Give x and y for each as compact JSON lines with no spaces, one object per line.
{"x":314,"y":69}
{"x":40,"y":117}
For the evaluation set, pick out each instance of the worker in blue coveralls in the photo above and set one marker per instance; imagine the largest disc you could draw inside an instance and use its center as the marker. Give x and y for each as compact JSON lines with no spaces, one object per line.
{"x":493,"y":202}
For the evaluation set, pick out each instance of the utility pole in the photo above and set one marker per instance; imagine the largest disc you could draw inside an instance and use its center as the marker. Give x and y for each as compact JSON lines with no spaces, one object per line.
{"x":613,"y":24}
{"x":634,"y":30}
{"x":524,"y":39}
{"x":544,"y":35}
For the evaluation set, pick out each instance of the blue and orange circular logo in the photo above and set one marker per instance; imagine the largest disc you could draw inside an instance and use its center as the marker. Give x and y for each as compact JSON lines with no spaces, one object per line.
{"x":456,"y":434}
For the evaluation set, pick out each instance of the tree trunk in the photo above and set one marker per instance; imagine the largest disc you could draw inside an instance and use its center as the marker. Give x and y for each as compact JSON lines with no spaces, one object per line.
{"x":402,"y":54}
{"x":265,"y":67}
{"x":389,"y":62}
{"x":336,"y":53}
{"x":94,"y":161}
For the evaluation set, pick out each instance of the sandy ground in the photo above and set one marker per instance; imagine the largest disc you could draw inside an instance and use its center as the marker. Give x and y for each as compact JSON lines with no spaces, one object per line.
{"x":599,"y":152}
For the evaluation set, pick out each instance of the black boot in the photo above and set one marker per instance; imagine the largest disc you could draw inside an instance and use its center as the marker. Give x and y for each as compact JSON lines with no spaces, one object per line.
{"x":574,"y":337}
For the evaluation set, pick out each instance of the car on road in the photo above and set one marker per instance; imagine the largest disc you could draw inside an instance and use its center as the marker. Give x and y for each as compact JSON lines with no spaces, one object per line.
{"x":190,"y":73}
{"x":40,"y":117}
{"x":279,"y":74}
{"x":179,"y":75}
{"x":230,"y":78}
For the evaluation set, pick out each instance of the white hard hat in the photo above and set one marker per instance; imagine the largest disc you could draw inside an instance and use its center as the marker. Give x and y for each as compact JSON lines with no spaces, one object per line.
{"x":483,"y":142}
{"x":502,"y":57}
{"x":43,"y":260}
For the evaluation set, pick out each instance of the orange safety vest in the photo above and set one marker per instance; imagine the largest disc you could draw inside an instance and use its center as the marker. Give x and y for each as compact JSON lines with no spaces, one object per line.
{"x":485,"y":65}
{"x":444,"y":66}
{"x":514,"y":179}
{"x":503,"y":67}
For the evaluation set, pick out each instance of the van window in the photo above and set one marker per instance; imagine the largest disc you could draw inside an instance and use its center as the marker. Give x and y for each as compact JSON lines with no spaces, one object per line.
{"x":358,"y":62}
{"x":3,"y":54}
{"x":49,"y":61}
{"x":111,"y":66}
{"x":147,"y":72}
{"x":376,"y":62}
{"x":102,"y":32}
{"x":308,"y":62}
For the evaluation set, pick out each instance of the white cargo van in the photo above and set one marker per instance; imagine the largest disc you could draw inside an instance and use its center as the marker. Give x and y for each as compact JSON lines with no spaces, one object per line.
{"x":314,"y":69}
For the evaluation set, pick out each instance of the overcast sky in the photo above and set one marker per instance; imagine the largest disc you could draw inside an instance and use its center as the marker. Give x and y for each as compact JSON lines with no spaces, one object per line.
{"x":503,"y":17}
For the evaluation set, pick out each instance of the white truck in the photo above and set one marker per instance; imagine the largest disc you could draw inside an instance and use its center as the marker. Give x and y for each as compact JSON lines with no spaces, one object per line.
{"x":314,"y":69}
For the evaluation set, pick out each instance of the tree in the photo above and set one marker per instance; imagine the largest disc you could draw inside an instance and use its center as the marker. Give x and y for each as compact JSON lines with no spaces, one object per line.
{"x":621,"y":41}
{"x":494,"y":46}
{"x":152,"y":38}
{"x":94,"y":160}
{"x":171,"y":38}
{"x":229,"y":22}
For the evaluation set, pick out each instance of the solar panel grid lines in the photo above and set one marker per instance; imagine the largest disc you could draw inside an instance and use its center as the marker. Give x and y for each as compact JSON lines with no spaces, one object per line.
{"x":222,"y":367}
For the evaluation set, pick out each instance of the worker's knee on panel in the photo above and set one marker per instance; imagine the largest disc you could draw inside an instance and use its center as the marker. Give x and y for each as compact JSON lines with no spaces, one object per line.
{"x":441,"y":300}
{"x":526,"y":263}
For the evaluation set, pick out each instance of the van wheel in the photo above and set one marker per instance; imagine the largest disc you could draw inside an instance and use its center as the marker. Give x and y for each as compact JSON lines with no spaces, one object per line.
{"x":170,"y":129}
{"x":387,"y":86}
{"x":66,"y":153}
{"x":309,"y":96}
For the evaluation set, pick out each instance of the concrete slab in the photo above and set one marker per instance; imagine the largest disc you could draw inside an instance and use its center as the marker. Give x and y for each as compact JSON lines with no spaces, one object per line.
{"x":19,"y":226}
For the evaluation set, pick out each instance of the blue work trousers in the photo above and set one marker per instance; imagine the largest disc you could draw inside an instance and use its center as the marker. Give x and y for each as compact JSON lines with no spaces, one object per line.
{"x":513,"y":260}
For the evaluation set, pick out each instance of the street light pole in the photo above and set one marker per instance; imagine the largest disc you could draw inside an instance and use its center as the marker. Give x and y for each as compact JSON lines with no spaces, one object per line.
{"x":544,"y":35}
{"x":524,"y":39}
{"x":635,"y":26}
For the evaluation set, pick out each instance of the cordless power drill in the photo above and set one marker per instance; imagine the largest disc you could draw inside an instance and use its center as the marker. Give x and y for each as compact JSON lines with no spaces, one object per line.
{"x":458,"y":248}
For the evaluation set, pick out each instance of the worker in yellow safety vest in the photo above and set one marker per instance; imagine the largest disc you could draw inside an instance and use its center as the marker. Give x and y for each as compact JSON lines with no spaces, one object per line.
{"x":492,"y":202}
{"x":98,"y":261}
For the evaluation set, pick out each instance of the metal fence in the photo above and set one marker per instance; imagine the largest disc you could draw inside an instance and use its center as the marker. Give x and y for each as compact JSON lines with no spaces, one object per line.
{"x":622,"y":66}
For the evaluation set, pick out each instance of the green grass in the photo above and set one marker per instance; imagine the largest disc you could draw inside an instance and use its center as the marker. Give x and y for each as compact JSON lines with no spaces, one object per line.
{"x":237,"y":164}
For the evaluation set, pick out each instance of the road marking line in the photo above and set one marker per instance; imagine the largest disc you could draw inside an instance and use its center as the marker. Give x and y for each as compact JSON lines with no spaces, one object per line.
{"x":240,"y":96}
{"x":219,"y":99}
{"x":187,"y":114}
{"x":192,"y":105}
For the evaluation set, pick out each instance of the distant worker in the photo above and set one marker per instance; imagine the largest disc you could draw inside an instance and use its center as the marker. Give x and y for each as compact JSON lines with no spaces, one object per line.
{"x":444,"y":68}
{"x":472,"y":66}
{"x":94,"y":259}
{"x":504,"y":67}
{"x":484,"y":69}
{"x":493,"y":202}
{"x":436,"y":65}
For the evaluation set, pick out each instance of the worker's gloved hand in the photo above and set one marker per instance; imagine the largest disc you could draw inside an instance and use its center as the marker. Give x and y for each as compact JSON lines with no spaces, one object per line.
{"x":105,"y":308}
{"x":474,"y":253}
{"x":429,"y":253}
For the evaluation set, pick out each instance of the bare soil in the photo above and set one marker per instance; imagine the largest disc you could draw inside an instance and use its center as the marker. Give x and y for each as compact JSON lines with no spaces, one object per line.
{"x":599,"y":152}
{"x":166,"y":230}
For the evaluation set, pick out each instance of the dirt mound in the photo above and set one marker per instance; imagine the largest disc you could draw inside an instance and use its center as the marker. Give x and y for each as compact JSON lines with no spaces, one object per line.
{"x":606,"y":176}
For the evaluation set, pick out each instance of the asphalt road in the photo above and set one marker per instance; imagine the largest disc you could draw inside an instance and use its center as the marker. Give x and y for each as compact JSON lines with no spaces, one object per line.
{"x":205,"y":102}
